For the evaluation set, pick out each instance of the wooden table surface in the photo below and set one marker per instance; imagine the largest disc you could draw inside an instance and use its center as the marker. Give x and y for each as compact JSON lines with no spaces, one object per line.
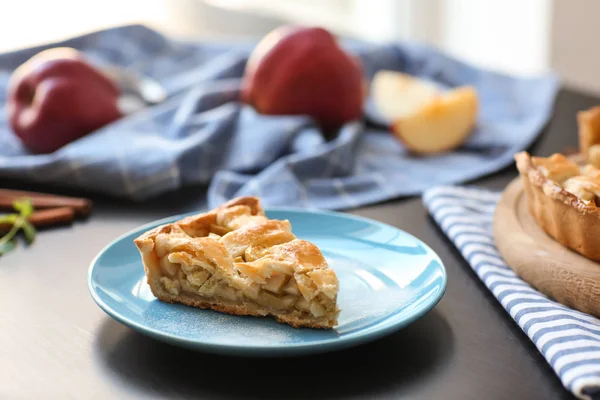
{"x":55,"y":343}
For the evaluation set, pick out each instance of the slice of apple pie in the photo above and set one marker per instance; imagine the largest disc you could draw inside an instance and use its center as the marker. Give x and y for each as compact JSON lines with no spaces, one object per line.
{"x":235,"y":260}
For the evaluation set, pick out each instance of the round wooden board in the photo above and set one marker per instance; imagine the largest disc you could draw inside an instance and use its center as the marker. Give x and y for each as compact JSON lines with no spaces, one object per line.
{"x":551,"y":268}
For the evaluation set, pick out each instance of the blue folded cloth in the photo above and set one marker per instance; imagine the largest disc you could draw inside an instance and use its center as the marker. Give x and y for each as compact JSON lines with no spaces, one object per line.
{"x":202,"y":134}
{"x":568,"y":339}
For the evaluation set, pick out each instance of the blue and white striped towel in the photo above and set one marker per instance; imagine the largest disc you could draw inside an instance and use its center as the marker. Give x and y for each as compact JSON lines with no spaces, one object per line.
{"x":568,"y":339}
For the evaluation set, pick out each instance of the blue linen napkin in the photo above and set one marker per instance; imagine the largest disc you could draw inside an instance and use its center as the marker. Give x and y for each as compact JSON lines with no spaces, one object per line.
{"x":202,"y":134}
{"x":568,"y":339}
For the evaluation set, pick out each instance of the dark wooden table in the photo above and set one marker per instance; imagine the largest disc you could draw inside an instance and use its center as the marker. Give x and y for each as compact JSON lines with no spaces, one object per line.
{"x":55,"y":343}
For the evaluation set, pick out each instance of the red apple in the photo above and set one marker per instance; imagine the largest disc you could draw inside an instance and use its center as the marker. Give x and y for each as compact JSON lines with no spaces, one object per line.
{"x":299,"y":70}
{"x":57,"y":97}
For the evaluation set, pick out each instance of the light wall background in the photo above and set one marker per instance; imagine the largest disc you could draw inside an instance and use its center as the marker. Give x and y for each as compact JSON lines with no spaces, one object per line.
{"x":522,"y":37}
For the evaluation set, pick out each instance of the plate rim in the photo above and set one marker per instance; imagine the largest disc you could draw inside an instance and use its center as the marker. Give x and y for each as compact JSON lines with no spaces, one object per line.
{"x":326,"y":345}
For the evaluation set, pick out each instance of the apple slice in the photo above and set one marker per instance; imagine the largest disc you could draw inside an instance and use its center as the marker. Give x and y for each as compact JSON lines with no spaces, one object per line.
{"x":442,"y":125}
{"x":397,"y":95}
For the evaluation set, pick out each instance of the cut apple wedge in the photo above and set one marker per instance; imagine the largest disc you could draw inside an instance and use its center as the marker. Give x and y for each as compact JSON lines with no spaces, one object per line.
{"x":442,"y":125}
{"x":397,"y":95}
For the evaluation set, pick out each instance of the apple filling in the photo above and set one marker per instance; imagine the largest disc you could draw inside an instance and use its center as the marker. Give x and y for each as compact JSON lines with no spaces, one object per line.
{"x":583,"y":182}
{"x":278,"y":292}
{"x":255,"y":277}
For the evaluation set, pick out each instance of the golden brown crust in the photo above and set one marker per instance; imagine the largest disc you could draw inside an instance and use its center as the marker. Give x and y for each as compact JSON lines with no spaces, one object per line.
{"x":549,"y":187}
{"x":562,"y":215}
{"x":589,"y":129}
{"x":200,"y":225}
{"x":270,"y":233}
{"x":305,"y":256}
{"x":250,"y":201}
{"x":234,"y":260}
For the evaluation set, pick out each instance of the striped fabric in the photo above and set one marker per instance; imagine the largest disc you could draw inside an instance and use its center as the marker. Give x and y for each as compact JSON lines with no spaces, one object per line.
{"x":568,"y":339}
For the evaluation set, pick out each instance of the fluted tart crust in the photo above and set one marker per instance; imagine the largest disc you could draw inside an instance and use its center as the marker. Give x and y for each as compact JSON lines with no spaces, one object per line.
{"x":563,"y":197}
{"x":235,"y":260}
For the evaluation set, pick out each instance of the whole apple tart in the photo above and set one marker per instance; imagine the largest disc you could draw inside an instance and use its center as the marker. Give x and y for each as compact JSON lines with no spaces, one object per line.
{"x":563,"y":193}
{"x":564,"y":199}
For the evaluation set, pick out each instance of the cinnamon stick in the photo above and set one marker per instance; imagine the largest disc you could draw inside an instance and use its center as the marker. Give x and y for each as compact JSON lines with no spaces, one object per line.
{"x":46,"y":218}
{"x":80,"y":206}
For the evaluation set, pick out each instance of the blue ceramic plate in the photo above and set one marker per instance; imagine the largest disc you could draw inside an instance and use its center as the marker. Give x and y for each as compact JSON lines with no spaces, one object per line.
{"x":388,"y":279}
